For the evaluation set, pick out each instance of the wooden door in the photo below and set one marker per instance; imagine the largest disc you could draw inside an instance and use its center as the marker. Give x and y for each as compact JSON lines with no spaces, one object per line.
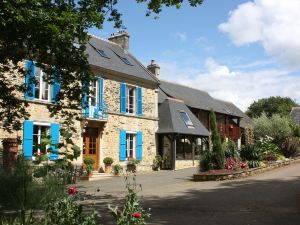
{"x":91,"y":145}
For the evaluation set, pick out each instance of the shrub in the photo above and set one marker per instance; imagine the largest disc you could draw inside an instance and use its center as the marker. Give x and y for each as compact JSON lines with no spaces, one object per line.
{"x":131,"y":213}
{"x":276,"y":127}
{"x":89,"y":161}
{"x":117,"y":168}
{"x":206,"y":161}
{"x":252,"y":154}
{"x":231,"y":150}
{"x":108,"y":160}
{"x":289,"y":146}
{"x":218,"y":152}
{"x":67,"y":211}
{"x":269,"y":151}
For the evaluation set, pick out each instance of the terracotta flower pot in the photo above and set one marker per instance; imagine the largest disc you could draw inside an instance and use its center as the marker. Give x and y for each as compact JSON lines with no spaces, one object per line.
{"x":107,"y":168}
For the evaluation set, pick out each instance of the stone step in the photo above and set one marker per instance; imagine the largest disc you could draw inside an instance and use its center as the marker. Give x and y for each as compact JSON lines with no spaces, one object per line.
{"x":99,"y":176}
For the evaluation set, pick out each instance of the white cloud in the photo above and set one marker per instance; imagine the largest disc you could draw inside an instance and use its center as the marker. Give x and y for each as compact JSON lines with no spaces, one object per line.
{"x":273,"y":24}
{"x":239,"y":87}
{"x":181,"y":36}
{"x":204,"y":43}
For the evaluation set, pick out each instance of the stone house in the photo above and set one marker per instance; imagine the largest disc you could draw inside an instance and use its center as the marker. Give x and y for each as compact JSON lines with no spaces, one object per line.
{"x":184,"y":125}
{"x":120,"y":118}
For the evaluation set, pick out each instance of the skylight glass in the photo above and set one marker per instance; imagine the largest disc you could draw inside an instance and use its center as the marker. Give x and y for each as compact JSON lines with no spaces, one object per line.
{"x":186,"y":119}
{"x":102,"y":53}
{"x":126,"y":61}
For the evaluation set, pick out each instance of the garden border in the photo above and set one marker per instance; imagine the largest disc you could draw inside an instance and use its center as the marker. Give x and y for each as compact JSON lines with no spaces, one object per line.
{"x":240,"y":174}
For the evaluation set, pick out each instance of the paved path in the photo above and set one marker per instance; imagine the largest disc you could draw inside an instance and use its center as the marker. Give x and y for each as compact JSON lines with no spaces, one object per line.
{"x":269,"y":198}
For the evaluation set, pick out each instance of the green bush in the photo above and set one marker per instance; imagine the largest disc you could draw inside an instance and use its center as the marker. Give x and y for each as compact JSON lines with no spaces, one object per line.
{"x":289,"y":147}
{"x":269,"y":151}
{"x":252,"y":154}
{"x":117,"y":168}
{"x":108,"y":160}
{"x":66,"y":211}
{"x":206,"y":161}
{"x":231,"y":150}
{"x":89,"y":161}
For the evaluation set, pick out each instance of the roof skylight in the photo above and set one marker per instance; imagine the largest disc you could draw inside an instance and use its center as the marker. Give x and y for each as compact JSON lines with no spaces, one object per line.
{"x":186,"y":119}
{"x":126,"y":61}
{"x":102,"y":53}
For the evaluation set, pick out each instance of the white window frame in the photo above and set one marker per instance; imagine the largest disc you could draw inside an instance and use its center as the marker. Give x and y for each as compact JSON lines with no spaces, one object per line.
{"x":128,"y":88}
{"x":95,"y":94}
{"x":40,"y":86}
{"x":134,"y":144}
{"x":39,"y":124}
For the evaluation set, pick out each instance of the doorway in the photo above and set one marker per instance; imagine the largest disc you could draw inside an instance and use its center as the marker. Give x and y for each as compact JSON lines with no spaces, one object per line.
{"x":91,"y":145}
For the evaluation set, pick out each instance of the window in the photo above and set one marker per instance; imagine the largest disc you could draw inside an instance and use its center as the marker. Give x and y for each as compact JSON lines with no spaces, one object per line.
{"x":130,"y":107}
{"x":102,"y":53}
{"x":93,"y":93}
{"x":130,"y":145}
{"x":126,"y":61}
{"x":186,"y":119}
{"x":42,"y":87}
{"x":39,"y":131}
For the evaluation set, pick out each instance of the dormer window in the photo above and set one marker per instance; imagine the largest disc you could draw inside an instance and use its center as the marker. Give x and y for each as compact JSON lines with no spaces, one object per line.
{"x":186,"y":119}
{"x":102,"y":53}
{"x":126,"y":61}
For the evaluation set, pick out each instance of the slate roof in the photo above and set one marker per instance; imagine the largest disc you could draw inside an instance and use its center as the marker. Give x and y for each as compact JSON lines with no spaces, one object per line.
{"x":295,"y":114}
{"x":195,"y":98}
{"x":170,"y":120}
{"x":114,"y":62}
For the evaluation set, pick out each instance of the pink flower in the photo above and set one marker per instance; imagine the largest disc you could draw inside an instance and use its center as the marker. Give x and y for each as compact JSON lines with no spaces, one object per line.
{"x":137,"y":215}
{"x":72,"y":190}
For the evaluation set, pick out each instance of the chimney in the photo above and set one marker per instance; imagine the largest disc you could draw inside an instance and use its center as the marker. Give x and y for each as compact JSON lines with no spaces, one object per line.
{"x":154,"y":68}
{"x":121,"y":38}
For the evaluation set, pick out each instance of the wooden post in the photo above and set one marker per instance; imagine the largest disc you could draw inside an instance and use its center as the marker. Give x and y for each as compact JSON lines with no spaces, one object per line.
{"x":174,"y":146}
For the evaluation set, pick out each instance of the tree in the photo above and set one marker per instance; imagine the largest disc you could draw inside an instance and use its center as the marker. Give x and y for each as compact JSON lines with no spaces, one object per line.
{"x":218,"y":154}
{"x":272,"y":105}
{"x":54,"y":34}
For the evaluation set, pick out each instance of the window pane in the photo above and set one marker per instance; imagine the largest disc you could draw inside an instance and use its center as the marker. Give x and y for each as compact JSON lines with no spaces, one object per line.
{"x":37,"y":82}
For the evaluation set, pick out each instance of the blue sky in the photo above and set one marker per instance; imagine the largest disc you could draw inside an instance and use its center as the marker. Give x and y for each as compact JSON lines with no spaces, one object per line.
{"x":237,"y":50}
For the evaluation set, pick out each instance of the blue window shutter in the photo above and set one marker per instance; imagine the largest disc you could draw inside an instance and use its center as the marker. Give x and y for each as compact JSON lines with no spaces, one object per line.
{"x":55,"y":86}
{"x":85,"y":101}
{"x":29,"y":79}
{"x":123,"y":98}
{"x":139,"y":101}
{"x":54,"y":133}
{"x":122,"y":145}
{"x":101,"y":92}
{"x":139,"y":146}
{"x":27,"y":139}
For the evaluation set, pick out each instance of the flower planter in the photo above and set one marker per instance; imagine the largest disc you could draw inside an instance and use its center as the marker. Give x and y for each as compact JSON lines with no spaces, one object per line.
{"x":107,"y":168}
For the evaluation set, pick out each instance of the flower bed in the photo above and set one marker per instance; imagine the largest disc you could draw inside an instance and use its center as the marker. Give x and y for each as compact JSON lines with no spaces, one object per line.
{"x":217,"y":175}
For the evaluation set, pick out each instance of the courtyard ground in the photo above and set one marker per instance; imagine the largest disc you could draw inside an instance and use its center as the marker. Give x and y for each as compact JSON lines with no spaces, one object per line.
{"x":269,"y":198}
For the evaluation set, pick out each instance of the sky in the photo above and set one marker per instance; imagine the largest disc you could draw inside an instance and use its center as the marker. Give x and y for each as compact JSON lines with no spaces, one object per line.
{"x":236,"y":50}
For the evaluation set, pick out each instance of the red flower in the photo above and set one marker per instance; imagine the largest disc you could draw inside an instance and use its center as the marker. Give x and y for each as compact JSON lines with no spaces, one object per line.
{"x":137,"y":215}
{"x":72,"y":190}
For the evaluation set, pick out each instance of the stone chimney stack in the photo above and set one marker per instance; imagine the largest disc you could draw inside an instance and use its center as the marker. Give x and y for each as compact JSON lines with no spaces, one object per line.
{"x":154,"y":68}
{"x":121,"y":38}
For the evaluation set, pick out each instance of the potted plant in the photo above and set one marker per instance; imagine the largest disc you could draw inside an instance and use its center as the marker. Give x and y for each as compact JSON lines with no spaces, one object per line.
{"x":89,"y":165}
{"x":132,"y":164}
{"x":107,"y":162}
{"x":117,"y":169}
{"x":157,"y":163}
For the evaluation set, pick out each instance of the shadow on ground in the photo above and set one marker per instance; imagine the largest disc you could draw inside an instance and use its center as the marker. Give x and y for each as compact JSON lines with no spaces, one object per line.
{"x":251,"y":202}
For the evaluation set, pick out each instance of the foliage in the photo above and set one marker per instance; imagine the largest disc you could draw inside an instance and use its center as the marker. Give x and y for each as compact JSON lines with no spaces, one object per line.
{"x":206,"y":161}
{"x":252,"y":154}
{"x":217,"y":150}
{"x":289,"y":146}
{"x":66,"y":211}
{"x":117,"y":168}
{"x":45,"y":31}
{"x":131,"y":213}
{"x":89,"y":161}
{"x":133,"y":161}
{"x":269,"y":151}
{"x":24,"y":192}
{"x":270,"y":106}
{"x":157,"y":162}
{"x":249,"y":135}
{"x":235,"y":164}
{"x":276,"y":127}
{"x":231,"y":150}
{"x":108,"y":160}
